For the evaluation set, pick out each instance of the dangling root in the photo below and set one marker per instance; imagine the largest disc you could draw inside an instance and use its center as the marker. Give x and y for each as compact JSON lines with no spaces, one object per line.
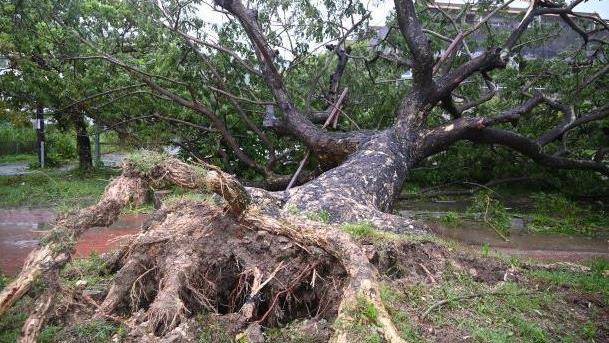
{"x":131,"y":186}
{"x":35,"y":321}
{"x":195,"y":257}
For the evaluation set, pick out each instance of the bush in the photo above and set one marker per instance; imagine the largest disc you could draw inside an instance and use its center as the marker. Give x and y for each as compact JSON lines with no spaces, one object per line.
{"x":61,"y":146}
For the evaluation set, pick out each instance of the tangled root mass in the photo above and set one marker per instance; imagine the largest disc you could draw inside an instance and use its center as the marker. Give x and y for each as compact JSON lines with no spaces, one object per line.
{"x":198,"y":259}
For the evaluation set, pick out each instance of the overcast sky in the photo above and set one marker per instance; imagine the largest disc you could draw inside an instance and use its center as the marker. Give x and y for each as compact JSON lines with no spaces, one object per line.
{"x":599,"y":6}
{"x":380,"y":9}
{"x":379,"y":12}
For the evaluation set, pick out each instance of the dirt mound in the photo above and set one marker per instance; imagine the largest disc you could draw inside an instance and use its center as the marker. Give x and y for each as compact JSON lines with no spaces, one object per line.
{"x":427,"y":261}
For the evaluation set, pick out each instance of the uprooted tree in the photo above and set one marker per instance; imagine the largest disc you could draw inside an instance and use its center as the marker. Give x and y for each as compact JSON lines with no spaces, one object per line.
{"x":171,"y":271}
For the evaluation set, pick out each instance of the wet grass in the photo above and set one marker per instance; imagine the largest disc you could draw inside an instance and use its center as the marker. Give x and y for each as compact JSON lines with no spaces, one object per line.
{"x":539,"y":306}
{"x":594,"y":282}
{"x":548,"y":213}
{"x":65,"y":190}
{"x":90,"y":331}
{"x":92,"y":272}
{"x":557,"y":214}
{"x":18,"y":158}
{"x":12,"y":321}
{"x":510,"y":312}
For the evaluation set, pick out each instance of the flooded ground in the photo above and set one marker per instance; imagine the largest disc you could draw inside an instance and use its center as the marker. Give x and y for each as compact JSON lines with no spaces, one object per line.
{"x":20,"y":230}
{"x":521,"y":242}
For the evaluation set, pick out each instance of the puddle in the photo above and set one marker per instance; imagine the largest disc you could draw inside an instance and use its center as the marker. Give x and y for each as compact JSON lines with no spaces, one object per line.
{"x":21,"y":228}
{"x":521,"y":242}
{"x":12,"y":169}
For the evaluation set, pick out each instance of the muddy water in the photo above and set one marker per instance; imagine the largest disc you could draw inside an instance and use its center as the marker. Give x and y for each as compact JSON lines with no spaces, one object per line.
{"x":20,"y":230}
{"x":520,"y":242}
{"x":524,"y":244}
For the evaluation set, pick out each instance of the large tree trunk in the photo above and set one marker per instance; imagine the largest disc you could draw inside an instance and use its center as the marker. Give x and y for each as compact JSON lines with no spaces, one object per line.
{"x":364,"y":187}
{"x":83,"y":143}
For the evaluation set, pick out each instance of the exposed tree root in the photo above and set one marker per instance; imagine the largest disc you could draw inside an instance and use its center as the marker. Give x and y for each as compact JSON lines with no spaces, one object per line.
{"x":58,"y":243}
{"x":193,"y":257}
{"x":362,"y":280}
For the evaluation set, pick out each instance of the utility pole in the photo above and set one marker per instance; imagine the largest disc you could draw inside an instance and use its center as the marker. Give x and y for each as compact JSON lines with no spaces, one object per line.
{"x":40,"y":134}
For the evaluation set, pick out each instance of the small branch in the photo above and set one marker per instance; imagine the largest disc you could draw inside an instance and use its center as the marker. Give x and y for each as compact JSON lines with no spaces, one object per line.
{"x":472,"y":296}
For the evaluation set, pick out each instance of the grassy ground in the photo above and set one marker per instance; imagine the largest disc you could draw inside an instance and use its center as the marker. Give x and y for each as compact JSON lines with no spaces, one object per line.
{"x":19,"y":158}
{"x":64,"y":190}
{"x":445,"y":295}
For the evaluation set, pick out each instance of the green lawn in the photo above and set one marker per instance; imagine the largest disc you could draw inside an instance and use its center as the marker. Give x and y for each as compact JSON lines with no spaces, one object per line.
{"x":19,"y":158}
{"x":54,"y":188}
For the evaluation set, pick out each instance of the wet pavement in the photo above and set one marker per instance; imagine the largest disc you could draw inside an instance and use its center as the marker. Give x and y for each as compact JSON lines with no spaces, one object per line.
{"x":111,"y":160}
{"x":20,"y":230}
{"x":13,"y":169}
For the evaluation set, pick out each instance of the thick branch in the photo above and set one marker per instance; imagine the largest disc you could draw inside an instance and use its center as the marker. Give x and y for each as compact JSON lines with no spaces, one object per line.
{"x":533,"y":150}
{"x":417,"y":42}
{"x":334,"y":147}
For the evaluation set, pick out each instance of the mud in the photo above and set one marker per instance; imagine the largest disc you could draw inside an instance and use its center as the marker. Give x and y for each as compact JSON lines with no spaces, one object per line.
{"x":20,"y":230}
{"x":427,"y":262}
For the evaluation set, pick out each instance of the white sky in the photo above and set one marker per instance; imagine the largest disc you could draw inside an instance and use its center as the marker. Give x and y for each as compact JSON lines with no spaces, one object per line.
{"x":599,"y":6}
{"x":380,"y":9}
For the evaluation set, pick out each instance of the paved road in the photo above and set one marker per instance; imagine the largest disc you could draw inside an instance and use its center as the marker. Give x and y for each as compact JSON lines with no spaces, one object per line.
{"x":13,"y":169}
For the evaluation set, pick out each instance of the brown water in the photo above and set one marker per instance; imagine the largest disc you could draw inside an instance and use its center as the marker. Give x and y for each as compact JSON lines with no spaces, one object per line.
{"x":524,"y":244}
{"x":20,"y":230}
{"x":520,"y":242}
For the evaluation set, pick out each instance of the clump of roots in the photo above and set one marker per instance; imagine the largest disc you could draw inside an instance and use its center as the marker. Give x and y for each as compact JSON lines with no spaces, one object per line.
{"x":197,"y":259}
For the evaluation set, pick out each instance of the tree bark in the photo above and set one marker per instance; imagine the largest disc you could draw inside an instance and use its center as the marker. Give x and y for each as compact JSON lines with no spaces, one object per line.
{"x":364,"y":187}
{"x":83,"y":143}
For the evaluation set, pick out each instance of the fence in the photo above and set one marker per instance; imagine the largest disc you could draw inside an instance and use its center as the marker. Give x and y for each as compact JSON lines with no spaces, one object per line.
{"x":13,"y":148}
